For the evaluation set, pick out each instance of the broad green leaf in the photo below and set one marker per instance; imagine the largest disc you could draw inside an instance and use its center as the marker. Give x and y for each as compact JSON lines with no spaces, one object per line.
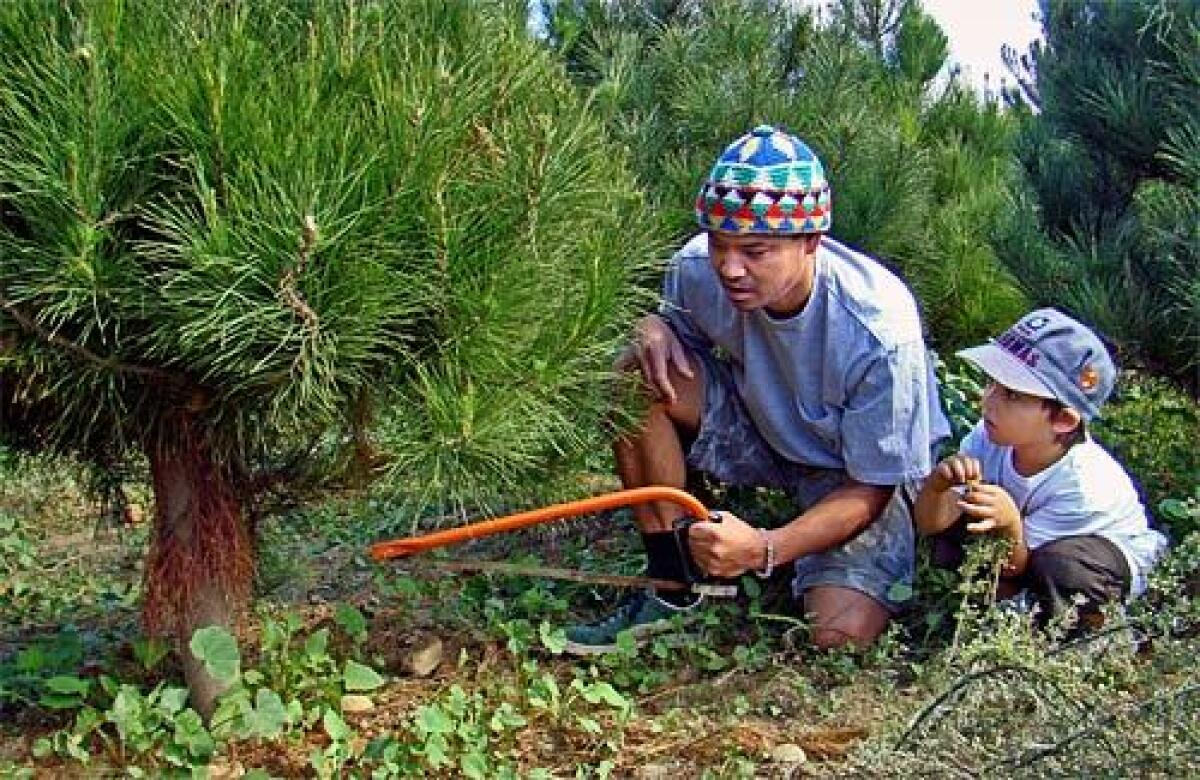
{"x":191,"y":735}
{"x":360,"y":677}
{"x":553,"y":639}
{"x":315,"y":647}
{"x":269,"y":716}
{"x":68,"y":684}
{"x":432,"y":719}
{"x":351,"y":620}
{"x":604,"y":692}
{"x":436,"y":750}
{"x":60,"y":701}
{"x":218,"y":650}
{"x":900,"y":591}
{"x":128,"y":712}
{"x":474,"y":765}
{"x":335,"y":727}
{"x":172,"y":700}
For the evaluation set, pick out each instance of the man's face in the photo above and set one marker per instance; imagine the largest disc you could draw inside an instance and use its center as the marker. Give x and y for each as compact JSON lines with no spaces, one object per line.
{"x":771,"y":272}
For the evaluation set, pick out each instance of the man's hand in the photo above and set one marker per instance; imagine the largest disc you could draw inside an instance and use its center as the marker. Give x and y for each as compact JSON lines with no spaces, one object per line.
{"x":656,"y":349}
{"x":993,"y":509}
{"x":726,"y":548}
{"x":956,"y":470}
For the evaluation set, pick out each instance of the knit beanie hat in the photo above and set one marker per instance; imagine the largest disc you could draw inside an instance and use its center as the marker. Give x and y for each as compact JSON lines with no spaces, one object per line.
{"x":766,"y":182}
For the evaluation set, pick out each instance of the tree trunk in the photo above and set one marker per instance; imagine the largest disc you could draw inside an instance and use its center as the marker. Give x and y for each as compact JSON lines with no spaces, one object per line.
{"x":201,"y":559}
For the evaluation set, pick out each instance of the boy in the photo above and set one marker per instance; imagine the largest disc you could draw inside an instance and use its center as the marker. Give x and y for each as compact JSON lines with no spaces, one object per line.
{"x":1033,"y":474}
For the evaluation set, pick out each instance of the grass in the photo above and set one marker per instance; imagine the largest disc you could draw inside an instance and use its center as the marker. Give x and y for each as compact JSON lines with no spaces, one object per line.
{"x":947,"y":691}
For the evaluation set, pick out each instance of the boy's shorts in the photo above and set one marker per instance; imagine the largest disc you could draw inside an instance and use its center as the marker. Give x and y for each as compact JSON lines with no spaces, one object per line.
{"x":879,"y":561}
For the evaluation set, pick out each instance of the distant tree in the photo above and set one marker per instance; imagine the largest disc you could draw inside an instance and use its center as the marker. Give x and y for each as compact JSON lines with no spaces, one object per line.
{"x":873,"y":23}
{"x":246,"y":242}
{"x":1110,"y":103}
{"x":919,"y":167}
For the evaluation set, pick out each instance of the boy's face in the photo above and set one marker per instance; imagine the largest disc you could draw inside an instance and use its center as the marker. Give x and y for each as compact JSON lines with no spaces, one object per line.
{"x":771,"y":272}
{"x":1016,"y":419}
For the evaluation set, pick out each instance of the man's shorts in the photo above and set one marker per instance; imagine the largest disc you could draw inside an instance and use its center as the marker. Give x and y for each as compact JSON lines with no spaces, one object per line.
{"x":879,"y":561}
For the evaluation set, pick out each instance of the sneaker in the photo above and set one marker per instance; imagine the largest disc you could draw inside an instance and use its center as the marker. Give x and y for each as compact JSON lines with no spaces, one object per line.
{"x":641,"y":613}
{"x":1021,"y":603}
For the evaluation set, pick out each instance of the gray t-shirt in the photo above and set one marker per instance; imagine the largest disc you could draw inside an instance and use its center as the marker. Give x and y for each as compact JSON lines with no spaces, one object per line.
{"x":847,"y":383}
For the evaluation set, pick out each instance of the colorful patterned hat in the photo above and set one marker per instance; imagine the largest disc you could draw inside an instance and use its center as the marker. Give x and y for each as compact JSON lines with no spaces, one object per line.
{"x":766,"y":182}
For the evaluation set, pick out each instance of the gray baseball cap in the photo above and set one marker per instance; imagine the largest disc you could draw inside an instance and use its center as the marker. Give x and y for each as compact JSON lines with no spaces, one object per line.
{"x":1050,"y":355}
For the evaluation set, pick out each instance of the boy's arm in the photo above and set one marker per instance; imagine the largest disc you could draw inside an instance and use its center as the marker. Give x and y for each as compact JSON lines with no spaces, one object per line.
{"x":992,"y":510}
{"x":937,"y":506}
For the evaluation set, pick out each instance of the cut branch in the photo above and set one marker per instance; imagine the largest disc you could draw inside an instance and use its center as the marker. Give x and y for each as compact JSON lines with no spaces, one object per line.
{"x":288,"y":292}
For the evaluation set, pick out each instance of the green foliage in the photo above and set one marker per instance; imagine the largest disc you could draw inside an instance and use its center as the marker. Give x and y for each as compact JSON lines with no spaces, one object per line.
{"x":1152,"y":428}
{"x":1023,"y":703}
{"x":919,"y":171}
{"x":315,"y":228}
{"x":1107,"y":227}
{"x":1182,"y":515}
{"x":218,"y":651}
{"x":43,"y":674}
{"x":294,"y":684}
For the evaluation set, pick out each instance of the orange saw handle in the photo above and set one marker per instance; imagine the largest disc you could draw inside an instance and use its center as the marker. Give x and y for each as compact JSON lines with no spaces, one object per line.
{"x":399,"y":548}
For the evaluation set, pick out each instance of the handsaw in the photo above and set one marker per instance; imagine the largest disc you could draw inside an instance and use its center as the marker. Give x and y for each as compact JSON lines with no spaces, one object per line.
{"x":695,"y":512}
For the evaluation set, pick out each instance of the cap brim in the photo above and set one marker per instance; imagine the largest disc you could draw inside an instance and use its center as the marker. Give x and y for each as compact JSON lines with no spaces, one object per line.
{"x":1007,"y":369}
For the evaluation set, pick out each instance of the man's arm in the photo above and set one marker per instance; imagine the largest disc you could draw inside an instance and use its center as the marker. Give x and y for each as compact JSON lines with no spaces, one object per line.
{"x":840,"y":515}
{"x":732,"y":547}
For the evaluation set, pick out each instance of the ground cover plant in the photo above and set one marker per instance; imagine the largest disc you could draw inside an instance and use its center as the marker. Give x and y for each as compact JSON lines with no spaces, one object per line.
{"x":322,"y":681}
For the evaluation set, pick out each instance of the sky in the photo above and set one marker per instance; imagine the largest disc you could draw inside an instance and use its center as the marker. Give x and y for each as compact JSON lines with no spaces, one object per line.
{"x":978,"y":28}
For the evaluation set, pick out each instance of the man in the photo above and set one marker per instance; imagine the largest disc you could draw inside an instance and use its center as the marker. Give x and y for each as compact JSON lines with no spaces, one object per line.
{"x":781,"y":358}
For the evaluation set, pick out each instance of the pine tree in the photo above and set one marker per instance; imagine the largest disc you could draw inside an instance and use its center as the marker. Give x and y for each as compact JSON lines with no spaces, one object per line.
{"x":1109,"y":153}
{"x":246,"y":240}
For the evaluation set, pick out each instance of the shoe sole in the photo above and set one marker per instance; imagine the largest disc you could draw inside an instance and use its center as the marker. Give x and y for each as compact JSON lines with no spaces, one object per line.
{"x":641,"y":637}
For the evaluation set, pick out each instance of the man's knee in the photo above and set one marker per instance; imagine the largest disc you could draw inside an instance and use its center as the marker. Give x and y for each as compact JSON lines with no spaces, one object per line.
{"x":688,"y":405}
{"x":844,"y":617}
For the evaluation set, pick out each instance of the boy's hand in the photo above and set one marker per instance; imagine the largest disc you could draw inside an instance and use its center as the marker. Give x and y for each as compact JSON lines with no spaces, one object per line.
{"x":956,"y":470}
{"x":993,"y":509}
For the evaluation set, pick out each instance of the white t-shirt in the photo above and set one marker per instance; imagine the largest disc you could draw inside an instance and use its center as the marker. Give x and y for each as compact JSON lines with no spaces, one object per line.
{"x":1086,"y":492}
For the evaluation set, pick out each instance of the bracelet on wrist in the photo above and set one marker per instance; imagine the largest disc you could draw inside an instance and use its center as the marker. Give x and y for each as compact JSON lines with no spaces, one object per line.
{"x":769,"y":562}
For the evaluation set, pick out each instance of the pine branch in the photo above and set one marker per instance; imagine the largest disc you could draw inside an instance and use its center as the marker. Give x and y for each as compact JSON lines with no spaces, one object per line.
{"x":30,"y":325}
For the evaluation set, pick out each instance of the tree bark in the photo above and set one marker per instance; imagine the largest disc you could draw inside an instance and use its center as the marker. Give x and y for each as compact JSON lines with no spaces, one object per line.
{"x":201,"y":559}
